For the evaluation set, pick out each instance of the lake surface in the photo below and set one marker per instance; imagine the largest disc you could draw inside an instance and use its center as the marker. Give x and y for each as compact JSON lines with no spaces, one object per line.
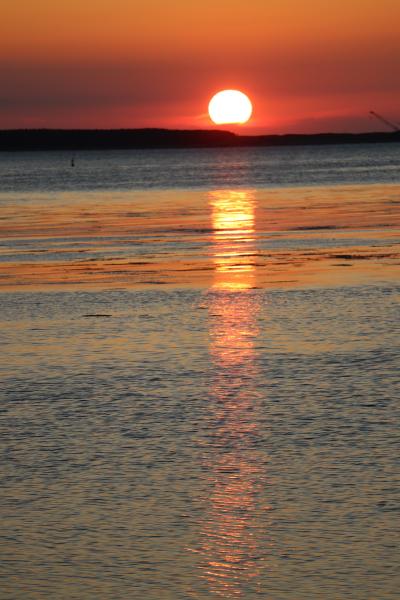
{"x":211,"y":168}
{"x":200,"y":374}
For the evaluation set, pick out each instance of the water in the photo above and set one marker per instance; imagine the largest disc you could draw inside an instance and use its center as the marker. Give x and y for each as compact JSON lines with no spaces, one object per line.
{"x":200,"y":168}
{"x":200,"y":380}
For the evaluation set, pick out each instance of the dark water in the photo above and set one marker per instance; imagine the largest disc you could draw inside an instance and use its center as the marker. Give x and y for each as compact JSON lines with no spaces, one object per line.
{"x":233,"y":435}
{"x":200,"y":168}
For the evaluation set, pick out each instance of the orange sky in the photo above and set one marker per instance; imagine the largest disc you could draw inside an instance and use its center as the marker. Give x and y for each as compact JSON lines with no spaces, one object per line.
{"x":308,"y":65}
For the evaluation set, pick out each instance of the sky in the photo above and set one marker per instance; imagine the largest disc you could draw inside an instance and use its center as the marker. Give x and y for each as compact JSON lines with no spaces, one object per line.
{"x":307,"y":65}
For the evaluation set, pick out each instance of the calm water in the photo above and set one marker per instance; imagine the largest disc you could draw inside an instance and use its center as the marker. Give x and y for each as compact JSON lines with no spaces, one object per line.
{"x":204,"y":168}
{"x":199,"y":370}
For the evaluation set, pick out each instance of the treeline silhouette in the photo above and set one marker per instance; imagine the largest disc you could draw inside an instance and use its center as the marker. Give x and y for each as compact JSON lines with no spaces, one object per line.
{"x":108,"y":139}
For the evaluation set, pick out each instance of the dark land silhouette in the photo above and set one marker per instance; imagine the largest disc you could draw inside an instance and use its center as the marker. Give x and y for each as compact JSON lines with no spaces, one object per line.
{"x":113,"y":139}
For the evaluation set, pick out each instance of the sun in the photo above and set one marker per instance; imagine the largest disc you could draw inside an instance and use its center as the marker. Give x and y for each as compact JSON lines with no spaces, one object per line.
{"x":230,"y":106}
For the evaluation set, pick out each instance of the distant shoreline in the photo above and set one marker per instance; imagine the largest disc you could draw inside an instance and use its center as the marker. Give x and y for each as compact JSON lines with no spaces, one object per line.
{"x":18,"y":140}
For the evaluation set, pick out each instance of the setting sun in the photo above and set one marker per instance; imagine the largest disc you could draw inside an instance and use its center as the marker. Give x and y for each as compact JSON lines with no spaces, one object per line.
{"x":230,"y":106}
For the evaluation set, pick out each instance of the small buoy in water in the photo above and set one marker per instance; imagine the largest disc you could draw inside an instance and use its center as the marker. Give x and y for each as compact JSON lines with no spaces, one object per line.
{"x":72,"y":162}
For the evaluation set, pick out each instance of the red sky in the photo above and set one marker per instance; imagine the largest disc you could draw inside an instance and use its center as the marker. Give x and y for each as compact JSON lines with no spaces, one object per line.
{"x":307,"y":65}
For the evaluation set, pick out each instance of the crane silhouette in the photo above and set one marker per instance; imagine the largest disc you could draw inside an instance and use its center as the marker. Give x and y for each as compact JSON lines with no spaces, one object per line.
{"x":392,"y":126}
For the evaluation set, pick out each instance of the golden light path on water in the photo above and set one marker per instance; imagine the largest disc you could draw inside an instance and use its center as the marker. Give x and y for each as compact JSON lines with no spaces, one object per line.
{"x":233,"y":249}
{"x":230,"y":531}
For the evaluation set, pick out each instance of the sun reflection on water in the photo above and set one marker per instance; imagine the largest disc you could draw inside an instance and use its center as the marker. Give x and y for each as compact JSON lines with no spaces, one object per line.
{"x":234,"y":520}
{"x":233,"y":249}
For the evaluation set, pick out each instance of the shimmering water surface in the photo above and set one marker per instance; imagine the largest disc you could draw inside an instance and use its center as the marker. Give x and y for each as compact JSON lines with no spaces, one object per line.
{"x":200,"y":381}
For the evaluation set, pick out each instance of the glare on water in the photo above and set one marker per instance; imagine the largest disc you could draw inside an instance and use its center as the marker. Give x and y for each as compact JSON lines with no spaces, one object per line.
{"x":233,"y":249}
{"x":229,"y":537}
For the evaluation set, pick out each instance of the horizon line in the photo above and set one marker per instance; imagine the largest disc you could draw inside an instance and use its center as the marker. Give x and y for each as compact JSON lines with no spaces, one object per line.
{"x":186,"y":130}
